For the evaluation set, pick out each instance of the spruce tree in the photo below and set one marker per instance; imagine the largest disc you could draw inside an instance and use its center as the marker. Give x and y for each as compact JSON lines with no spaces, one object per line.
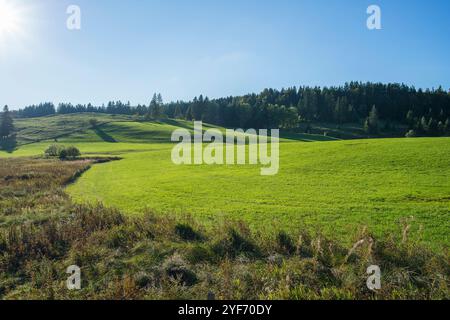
{"x":159,"y":99}
{"x":6,"y":124}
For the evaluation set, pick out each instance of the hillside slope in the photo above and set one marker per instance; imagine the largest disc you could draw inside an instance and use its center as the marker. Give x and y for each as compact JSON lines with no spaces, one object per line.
{"x":335,"y":186}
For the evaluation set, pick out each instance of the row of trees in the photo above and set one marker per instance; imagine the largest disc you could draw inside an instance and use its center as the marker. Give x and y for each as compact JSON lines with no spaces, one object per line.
{"x":355,"y":102}
{"x":155,"y":109}
{"x":371,"y":104}
{"x":427,"y":126}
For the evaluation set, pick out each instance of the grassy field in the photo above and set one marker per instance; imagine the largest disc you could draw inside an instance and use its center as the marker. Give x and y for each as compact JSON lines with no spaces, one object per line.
{"x":332,"y":186}
{"x":153,"y":256}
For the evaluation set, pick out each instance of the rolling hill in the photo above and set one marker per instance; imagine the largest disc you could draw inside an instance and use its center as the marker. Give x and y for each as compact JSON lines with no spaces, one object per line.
{"x":333,"y":186}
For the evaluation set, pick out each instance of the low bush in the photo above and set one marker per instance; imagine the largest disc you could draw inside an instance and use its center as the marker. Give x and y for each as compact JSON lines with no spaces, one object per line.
{"x":62,"y":152}
{"x":54,"y":150}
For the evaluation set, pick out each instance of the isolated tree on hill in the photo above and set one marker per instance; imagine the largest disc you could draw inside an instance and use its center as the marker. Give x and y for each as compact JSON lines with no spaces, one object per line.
{"x":6,"y":124}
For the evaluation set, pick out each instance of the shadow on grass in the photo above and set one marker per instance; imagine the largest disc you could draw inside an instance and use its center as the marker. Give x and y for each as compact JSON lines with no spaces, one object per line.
{"x":305,"y":137}
{"x":8,"y":144}
{"x":104,"y":136}
{"x":175,"y":123}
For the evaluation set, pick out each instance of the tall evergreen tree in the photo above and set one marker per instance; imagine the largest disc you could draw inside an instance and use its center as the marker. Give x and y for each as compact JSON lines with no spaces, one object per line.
{"x":155,"y":111}
{"x":159,"y":99}
{"x":6,"y":123}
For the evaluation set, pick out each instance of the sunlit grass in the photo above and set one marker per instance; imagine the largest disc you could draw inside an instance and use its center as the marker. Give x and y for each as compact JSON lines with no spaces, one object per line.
{"x":334,"y":186}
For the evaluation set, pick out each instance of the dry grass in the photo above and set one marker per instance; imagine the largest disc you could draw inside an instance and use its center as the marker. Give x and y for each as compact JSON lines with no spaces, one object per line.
{"x":154,"y":257}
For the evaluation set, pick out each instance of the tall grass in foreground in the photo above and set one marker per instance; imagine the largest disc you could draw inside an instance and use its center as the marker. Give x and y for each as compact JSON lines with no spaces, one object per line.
{"x":154,"y":257}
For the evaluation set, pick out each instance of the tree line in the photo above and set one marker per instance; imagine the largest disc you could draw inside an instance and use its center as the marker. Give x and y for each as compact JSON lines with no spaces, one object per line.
{"x":424,"y":112}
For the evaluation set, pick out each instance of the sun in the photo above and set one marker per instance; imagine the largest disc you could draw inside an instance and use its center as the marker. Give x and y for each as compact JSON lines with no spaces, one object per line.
{"x":10,"y":19}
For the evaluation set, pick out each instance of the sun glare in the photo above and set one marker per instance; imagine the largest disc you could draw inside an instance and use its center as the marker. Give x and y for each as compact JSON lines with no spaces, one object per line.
{"x":10,"y":19}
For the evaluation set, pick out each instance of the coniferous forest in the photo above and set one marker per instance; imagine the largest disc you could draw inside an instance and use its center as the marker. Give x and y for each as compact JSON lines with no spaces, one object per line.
{"x":373,"y":105}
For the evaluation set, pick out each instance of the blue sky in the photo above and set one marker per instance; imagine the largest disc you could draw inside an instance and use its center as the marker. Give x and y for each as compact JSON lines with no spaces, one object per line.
{"x":129,"y":49}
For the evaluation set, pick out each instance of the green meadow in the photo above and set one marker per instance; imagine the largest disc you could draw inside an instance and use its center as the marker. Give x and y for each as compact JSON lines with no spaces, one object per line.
{"x":324,"y":184}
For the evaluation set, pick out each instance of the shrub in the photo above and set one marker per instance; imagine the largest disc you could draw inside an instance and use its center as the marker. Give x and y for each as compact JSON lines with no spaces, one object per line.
{"x":62,"y":152}
{"x":54,"y":150}
{"x":73,"y":152}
